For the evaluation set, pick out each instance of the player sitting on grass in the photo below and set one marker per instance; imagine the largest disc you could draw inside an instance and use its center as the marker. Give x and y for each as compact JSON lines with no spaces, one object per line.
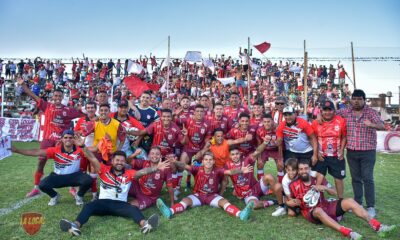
{"x":316,"y":209}
{"x":115,"y":182}
{"x":248,"y":188}
{"x":206,"y":183}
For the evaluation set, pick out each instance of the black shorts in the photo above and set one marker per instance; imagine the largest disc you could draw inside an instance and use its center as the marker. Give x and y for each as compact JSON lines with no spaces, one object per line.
{"x":299,"y":156}
{"x":334,"y":210}
{"x":245,"y":67}
{"x":332,"y":165}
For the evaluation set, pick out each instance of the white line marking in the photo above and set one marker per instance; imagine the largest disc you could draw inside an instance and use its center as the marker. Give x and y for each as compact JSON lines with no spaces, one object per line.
{"x":19,"y":204}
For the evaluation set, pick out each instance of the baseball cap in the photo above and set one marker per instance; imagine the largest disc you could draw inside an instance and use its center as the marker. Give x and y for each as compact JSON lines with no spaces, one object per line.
{"x":68,"y":131}
{"x":288,"y":109}
{"x":328,"y":105}
{"x":281,"y":99}
{"x":123,"y":103}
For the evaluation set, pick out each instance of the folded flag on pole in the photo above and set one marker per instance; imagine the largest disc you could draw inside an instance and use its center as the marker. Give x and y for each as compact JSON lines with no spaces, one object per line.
{"x":263,"y":47}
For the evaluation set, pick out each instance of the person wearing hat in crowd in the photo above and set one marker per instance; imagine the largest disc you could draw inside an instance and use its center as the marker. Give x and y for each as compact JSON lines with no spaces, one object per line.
{"x":298,"y":137}
{"x":69,"y":161}
{"x":277,"y":113}
{"x":331,"y":134}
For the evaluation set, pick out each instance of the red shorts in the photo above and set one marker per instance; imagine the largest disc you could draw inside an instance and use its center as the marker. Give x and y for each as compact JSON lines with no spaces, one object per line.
{"x":331,"y":208}
{"x":265,"y":155}
{"x":205,"y":199}
{"x":256,"y":192}
{"x":143,"y":200}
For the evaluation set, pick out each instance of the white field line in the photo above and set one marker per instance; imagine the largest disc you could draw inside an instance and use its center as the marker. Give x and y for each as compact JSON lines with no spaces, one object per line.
{"x":19,"y":204}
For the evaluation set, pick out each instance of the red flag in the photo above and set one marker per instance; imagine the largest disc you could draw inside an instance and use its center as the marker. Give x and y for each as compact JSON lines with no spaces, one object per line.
{"x":263,"y":47}
{"x":154,"y":87}
{"x":135,"y":85}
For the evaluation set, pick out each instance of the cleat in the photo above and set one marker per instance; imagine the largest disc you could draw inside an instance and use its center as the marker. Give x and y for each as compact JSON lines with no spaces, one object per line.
{"x":280,"y":211}
{"x":355,"y":236}
{"x":245,"y":213}
{"x":71,"y":227}
{"x":72,"y":190}
{"x":150,"y":224}
{"x":78,"y":200}
{"x":371,"y":212}
{"x":385,"y":230}
{"x":53,"y":201}
{"x":33,"y":193}
{"x":165,"y":211}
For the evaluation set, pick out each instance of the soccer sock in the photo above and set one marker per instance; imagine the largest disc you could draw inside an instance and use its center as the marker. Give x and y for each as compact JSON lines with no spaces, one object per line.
{"x":280,"y":176}
{"x":174,"y":180}
{"x":178,"y":207}
{"x":267,"y":203}
{"x":345,"y":231}
{"x":94,"y":182}
{"x":375,"y":224}
{"x":260,"y":174}
{"x":231,"y":209}
{"x":38,"y":176}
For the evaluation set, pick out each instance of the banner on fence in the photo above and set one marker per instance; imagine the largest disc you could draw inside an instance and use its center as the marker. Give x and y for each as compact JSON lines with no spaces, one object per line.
{"x":19,"y":129}
{"x":5,"y":145}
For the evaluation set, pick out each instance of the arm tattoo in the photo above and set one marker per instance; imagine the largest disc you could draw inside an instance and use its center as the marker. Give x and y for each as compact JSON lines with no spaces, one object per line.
{"x":145,"y":171}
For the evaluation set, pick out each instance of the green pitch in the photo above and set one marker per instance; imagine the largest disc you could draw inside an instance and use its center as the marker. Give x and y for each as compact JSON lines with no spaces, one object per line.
{"x":16,"y":176}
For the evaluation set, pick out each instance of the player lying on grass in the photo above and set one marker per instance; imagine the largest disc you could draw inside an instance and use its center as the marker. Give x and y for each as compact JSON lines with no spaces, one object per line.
{"x":147,"y":189}
{"x":206,"y":183}
{"x":247,"y":187}
{"x":68,"y":159}
{"x":115,"y":182}
{"x":316,"y":209}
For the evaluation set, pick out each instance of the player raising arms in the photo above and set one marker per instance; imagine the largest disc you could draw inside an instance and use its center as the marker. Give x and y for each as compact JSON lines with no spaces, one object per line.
{"x":207,"y":179}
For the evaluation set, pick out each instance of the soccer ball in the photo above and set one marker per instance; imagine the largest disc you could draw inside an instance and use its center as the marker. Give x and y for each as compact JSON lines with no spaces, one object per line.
{"x":131,"y":137}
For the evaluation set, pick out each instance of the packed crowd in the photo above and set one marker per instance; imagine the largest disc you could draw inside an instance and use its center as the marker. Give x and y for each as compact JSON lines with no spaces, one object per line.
{"x":139,"y":143}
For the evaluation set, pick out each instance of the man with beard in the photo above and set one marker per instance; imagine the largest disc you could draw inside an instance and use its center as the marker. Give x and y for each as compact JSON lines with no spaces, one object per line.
{"x":219,"y":120}
{"x":362,"y":123}
{"x":331,"y":136}
{"x":328,"y":212}
{"x":244,"y":135}
{"x":298,"y":137}
{"x":114,"y":188}
{"x":56,"y":118}
{"x":183,"y":112}
{"x":147,"y":189}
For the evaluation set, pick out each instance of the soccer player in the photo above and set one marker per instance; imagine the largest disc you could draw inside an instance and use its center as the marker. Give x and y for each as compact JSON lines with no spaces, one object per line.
{"x":331,"y":136}
{"x":298,"y":137}
{"x":148,"y":188}
{"x":56,"y":118}
{"x":246,"y":186}
{"x":143,"y":111}
{"x":166,"y":134}
{"x":257,"y":114}
{"x":183,"y":112}
{"x":219,"y":120}
{"x":268,"y":130}
{"x":244,"y":135}
{"x":327,"y":212}
{"x":114,"y":187}
{"x":68,"y":161}
{"x":234,"y":108}
{"x":207,"y":179}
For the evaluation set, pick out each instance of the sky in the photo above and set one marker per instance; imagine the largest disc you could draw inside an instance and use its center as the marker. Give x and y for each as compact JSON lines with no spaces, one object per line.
{"x":122,"y":28}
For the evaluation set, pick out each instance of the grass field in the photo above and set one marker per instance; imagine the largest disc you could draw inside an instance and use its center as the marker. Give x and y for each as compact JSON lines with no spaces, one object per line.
{"x":199,"y":223}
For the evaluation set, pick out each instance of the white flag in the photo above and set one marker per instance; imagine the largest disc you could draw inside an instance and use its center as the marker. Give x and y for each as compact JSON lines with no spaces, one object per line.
{"x":226,"y":81}
{"x":134,"y":67}
{"x":208,"y":63}
{"x":193,"y":57}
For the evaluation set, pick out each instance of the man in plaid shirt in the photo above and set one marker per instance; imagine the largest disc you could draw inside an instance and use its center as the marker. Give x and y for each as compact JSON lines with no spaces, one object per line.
{"x":362,"y":123}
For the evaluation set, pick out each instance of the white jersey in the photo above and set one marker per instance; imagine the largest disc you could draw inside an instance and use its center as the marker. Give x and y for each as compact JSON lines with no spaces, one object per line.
{"x":115,"y":187}
{"x":286,"y":182}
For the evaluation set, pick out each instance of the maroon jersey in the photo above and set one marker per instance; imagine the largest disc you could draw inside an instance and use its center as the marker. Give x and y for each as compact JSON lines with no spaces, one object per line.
{"x":183,"y":117}
{"x":233,"y":113}
{"x":225,"y":123}
{"x":248,"y":146}
{"x":262,"y":132}
{"x":197,"y":134}
{"x":298,"y":189}
{"x":256,"y":121}
{"x":243,"y":183}
{"x":152,"y":184}
{"x":55,"y":120}
{"x":206,"y":183}
{"x":165,"y":138}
